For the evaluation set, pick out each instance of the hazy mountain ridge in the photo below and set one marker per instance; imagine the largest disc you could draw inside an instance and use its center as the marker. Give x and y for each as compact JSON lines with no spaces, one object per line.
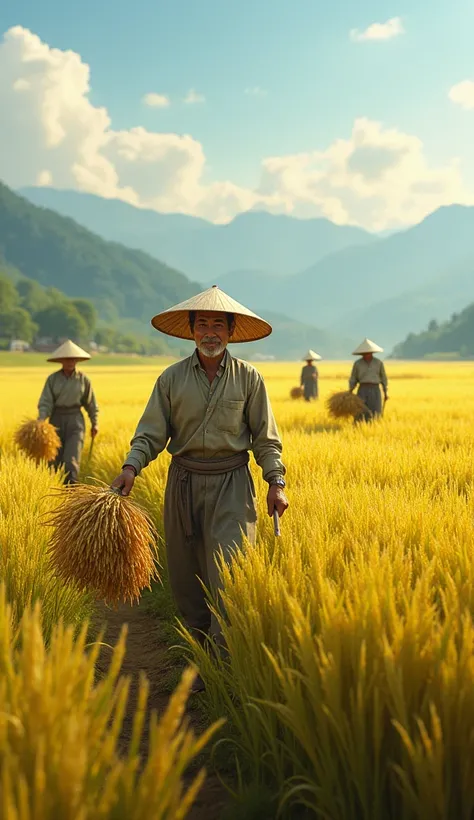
{"x":253,"y":240}
{"x":383,"y":287}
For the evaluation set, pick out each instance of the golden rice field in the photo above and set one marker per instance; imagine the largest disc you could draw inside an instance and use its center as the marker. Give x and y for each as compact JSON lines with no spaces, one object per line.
{"x":349,"y":688}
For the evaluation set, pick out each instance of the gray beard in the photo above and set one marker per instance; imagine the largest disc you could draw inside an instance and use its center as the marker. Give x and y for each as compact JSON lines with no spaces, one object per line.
{"x":211,"y":353}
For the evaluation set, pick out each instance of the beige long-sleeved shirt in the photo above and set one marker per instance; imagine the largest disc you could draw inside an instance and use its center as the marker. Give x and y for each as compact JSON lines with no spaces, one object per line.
{"x":372,"y":372}
{"x":192,"y":417}
{"x":61,"y":391}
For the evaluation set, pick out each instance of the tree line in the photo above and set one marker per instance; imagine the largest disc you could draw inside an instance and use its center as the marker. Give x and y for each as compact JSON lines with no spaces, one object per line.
{"x":30,"y":312}
{"x":451,"y":339}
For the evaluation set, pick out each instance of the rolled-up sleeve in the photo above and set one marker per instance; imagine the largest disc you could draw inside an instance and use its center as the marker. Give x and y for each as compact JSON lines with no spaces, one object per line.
{"x":46,"y":400}
{"x":266,"y":442}
{"x":153,"y":430}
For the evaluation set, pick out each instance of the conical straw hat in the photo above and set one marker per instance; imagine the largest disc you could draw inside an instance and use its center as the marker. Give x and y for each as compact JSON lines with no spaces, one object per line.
{"x":175,"y":320}
{"x":311,"y":356}
{"x":69,"y":350}
{"x":367,"y":346}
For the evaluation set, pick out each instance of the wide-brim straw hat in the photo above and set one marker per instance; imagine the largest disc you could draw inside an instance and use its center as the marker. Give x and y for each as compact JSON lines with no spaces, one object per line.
{"x":311,"y":356}
{"x":69,"y":350}
{"x":175,"y":320}
{"x":367,"y":346}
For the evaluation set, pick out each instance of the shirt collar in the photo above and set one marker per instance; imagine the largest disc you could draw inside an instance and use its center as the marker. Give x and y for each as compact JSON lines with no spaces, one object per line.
{"x":223,"y":365}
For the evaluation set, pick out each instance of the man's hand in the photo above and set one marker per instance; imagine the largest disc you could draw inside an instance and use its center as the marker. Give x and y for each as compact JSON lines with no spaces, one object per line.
{"x":276,"y":498}
{"x":124,"y":481}
{"x":386,"y":397}
{"x":94,"y":430}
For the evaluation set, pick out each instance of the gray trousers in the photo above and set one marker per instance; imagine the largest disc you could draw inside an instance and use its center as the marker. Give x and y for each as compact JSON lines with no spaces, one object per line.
{"x":310,"y":389}
{"x":71,"y":429}
{"x":222,"y":508}
{"x":370,"y":394}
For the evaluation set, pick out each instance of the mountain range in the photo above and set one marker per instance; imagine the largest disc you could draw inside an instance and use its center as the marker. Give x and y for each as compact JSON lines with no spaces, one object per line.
{"x":356,"y":284}
{"x":204,"y":251}
{"x":126,"y":286}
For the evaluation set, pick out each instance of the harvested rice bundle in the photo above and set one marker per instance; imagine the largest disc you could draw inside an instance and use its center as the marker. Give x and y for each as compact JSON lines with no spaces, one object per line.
{"x":346,"y":404}
{"x":296,"y":392}
{"x":39,"y":439}
{"x":103,"y":542}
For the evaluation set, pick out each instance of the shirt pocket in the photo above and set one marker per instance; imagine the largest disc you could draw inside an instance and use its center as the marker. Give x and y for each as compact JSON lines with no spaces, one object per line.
{"x":229,"y":416}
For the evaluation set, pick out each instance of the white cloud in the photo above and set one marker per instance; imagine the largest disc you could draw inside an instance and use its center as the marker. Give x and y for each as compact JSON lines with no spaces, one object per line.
{"x":44,"y":179}
{"x":192,"y":97}
{"x":52,"y":134}
{"x":156,"y":100}
{"x":463,"y":94}
{"x":256,"y":91}
{"x":379,"y":31}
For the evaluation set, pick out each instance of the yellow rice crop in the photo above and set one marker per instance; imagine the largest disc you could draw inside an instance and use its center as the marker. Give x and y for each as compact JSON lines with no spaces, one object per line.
{"x":38,"y":439}
{"x":103,"y":542}
{"x":24,"y":563}
{"x":350,"y":681}
{"x":59,"y":730}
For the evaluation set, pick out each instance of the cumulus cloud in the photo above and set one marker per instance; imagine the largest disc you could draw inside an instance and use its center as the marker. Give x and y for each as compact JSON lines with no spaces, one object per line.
{"x":192,"y":97}
{"x":379,"y":31}
{"x":52,"y":134}
{"x":377,"y":178}
{"x":156,"y":100}
{"x":463,"y":94}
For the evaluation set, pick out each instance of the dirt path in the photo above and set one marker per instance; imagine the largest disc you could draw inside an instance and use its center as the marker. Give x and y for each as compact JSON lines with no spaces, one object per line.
{"x":145,"y":651}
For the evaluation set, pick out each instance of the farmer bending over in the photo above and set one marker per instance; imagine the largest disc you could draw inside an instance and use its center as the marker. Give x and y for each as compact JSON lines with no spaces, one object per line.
{"x":209,"y":409}
{"x":64,"y":393}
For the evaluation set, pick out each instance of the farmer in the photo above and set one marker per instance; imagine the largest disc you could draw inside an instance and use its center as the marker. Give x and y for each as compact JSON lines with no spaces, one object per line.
{"x":64,"y":393}
{"x":309,"y":376}
{"x":369,"y":373}
{"x":209,"y":410}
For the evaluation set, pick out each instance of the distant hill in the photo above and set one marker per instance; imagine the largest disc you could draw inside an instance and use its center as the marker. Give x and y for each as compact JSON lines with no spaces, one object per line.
{"x":451,"y":339}
{"x":126,"y":287}
{"x":56,"y":251}
{"x":253,"y":240}
{"x":392,"y":319}
{"x":291,"y":339}
{"x":381,"y":290}
{"x":344,"y":289}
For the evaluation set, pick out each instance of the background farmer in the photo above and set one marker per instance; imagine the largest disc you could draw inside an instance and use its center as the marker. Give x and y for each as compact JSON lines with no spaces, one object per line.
{"x":64,"y":393}
{"x":210,"y":409}
{"x":309,"y":376}
{"x":369,"y":373}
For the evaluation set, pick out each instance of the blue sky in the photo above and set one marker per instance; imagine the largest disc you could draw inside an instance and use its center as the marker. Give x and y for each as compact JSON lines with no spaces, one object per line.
{"x":317,"y":81}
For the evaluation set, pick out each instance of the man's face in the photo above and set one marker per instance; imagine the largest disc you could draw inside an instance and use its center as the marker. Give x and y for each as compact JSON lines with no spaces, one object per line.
{"x":368,"y":357}
{"x":69,"y":366}
{"x":211,"y":333}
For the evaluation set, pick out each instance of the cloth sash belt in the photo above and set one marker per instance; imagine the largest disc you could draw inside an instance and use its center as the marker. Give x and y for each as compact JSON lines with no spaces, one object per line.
{"x":66,"y":411}
{"x":185,"y":466}
{"x":370,"y":384}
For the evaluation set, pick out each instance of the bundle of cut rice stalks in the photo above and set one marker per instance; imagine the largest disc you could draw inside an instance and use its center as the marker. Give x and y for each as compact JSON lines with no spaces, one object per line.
{"x":345,"y":404}
{"x":38,"y":439}
{"x":296,"y":392}
{"x":103,"y":542}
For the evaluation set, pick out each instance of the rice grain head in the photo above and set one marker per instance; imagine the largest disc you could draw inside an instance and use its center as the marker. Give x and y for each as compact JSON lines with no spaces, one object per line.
{"x":38,"y":439}
{"x":103,"y":542}
{"x":345,"y":405}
